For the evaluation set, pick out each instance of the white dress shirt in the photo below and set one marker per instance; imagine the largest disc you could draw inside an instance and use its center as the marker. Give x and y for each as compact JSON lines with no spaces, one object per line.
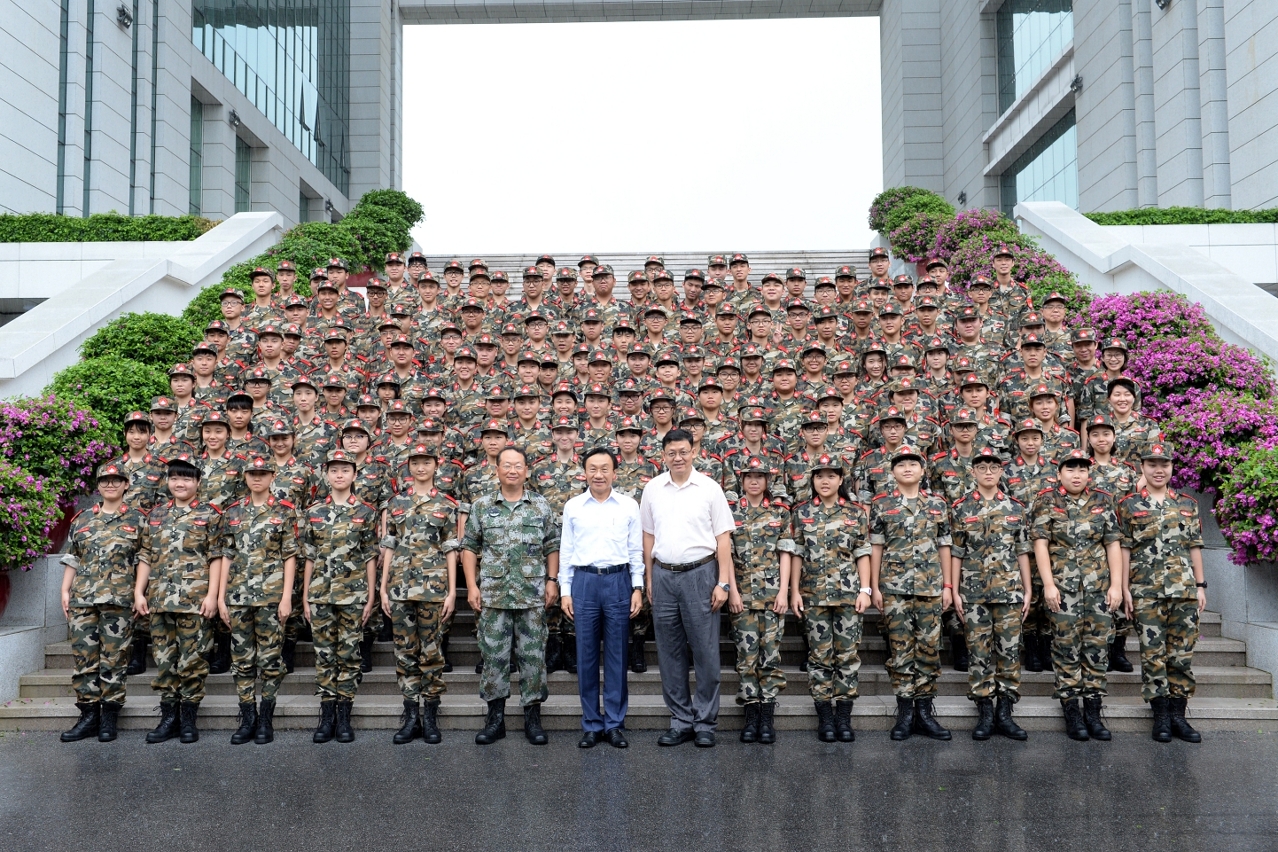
{"x":685,"y":519}
{"x":600,"y":534}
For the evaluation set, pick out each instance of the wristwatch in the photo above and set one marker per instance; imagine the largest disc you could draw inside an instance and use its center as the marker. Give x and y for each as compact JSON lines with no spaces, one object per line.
{"x":865,"y":590}
{"x":727,"y":587}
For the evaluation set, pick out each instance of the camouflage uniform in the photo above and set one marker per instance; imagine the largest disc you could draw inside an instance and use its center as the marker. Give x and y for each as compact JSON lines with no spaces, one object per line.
{"x":558,"y":482}
{"x":1132,"y":438}
{"x":148,"y":482}
{"x":762,"y":534}
{"x":632,"y":477}
{"x":1076,"y":530}
{"x":911,"y":533}
{"x":1117,"y":479}
{"x":179,"y":545}
{"x":989,"y":536}
{"x":340,"y":539}
{"x":1160,"y":535}
{"x":830,"y":541}
{"x":512,"y":541}
{"x":258,"y":541}
{"x":102,"y":550}
{"x":421,"y":530}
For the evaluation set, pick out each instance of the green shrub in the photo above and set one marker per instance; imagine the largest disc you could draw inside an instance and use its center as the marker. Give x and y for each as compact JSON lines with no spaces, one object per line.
{"x":100,"y":227}
{"x":156,"y":339}
{"x":930,"y":204}
{"x":887,"y":201}
{"x":406,"y":208}
{"x":311,"y":244}
{"x":110,"y":386}
{"x":1185,"y":216}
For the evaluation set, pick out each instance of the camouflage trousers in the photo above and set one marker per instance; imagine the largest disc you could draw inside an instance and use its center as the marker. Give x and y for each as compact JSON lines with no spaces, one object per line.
{"x":1080,"y":644}
{"x":1168,"y":631}
{"x":296,"y":618}
{"x":336,"y":631}
{"x":495,"y":627}
{"x":1039,"y":620}
{"x":141,"y":625}
{"x":914,"y":644}
{"x":834,"y":662}
{"x":257,"y":643}
{"x":179,"y":641}
{"x":559,"y":622}
{"x":757,"y":635}
{"x":994,"y":649}
{"x":952,"y":624}
{"x":1123,"y":625}
{"x":100,"y":637}
{"x":419,"y":662}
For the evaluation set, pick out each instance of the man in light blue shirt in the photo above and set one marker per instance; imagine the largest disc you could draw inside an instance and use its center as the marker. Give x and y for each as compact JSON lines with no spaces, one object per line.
{"x":601,"y":570}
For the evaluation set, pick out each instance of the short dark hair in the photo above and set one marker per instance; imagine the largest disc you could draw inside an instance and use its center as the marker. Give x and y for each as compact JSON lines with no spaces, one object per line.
{"x":676,"y":435}
{"x":599,"y":451}
{"x":513,"y":449}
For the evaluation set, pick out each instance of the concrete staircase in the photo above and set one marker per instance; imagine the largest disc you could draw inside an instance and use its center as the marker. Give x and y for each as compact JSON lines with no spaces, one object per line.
{"x":1231,"y":696}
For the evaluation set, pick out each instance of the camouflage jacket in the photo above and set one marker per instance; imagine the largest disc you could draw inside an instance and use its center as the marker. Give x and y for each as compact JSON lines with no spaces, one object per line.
{"x":258,"y":540}
{"x":1118,"y":479}
{"x":633,"y":476}
{"x":830,"y":541}
{"x":1076,"y":530}
{"x":761,"y":536}
{"x":1025,"y":481}
{"x":911,"y":533}
{"x":1159,"y":535}
{"x":294,"y":482}
{"x":1133,"y":437}
{"x":102,"y":549}
{"x":480,"y":479}
{"x":988,"y":537}
{"x":557,"y":481}
{"x":148,"y":480}
{"x":340,"y":539}
{"x":179,"y":544}
{"x":221,"y":480}
{"x":951,"y":476}
{"x":314,"y":441}
{"x":512,"y":541}
{"x":421,"y":529}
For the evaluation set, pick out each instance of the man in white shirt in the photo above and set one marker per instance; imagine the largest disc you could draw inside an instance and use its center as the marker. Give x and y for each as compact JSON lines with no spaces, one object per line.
{"x":687,"y":554}
{"x":601,"y":568}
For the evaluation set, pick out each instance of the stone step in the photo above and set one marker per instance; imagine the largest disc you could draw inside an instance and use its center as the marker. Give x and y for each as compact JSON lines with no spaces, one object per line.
{"x":1215,"y":682}
{"x":1127,"y":715}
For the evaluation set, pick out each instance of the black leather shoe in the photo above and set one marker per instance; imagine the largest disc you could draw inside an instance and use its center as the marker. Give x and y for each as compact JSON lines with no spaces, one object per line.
{"x":1092,"y":719}
{"x":494,"y":725}
{"x":904,"y":726}
{"x":588,"y":740}
{"x":675,"y":736}
{"x":984,"y":719}
{"x":617,"y":738}
{"x":188,"y":716}
{"x":704,"y":739}
{"x":1075,"y":727}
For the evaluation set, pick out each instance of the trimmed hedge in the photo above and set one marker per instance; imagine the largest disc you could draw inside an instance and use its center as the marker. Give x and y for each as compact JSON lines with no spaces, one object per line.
{"x":99,"y":228}
{"x":158,"y":340}
{"x":111,"y":386}
{"x":1185,"y":216}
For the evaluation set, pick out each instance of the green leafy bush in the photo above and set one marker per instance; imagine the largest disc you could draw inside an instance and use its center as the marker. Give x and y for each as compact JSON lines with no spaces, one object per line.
{"x":110,"y":386}
{"x":405,"y":207}
{"x":98,"y":228}
{"x":887,"y":201}
{"x":929,"y":204}
{"x":156,"y":339}
{"x":1185,"y":216}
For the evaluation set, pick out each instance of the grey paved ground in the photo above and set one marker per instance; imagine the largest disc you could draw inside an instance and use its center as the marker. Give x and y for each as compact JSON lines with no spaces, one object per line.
{"x":798,"y":795}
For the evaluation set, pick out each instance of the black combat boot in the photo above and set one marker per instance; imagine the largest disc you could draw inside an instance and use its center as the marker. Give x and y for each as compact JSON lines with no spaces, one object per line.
{"x":430,"y":722}
{"x":825,"y":722}
{"x":533,"y":730}
{"x":221,"y":661}
{"x":1180,"y":727}
{"x":411,"y":727}
{"x":1033,"y":661}
{"x":265,"y":732}
{"x":1045,"y":651}
{"x":638,"y":664}
{"x":1118,"y":661}
{"x":479,"y":667}
{"x":366,"y":652}
{"x":1004,"y":723}
{"x":1162,"y":719}
{"x":843,"y":722}
{"x":188,"y":713}
{"x":494,"y":725}
{"x":343,"y":726}
{"x":110,"y":720}
{"x":327,"y":722}
{"x":87,"y":725}
{"x":137,"y":655}
{"x":958,"y":647}
{"x":767,"y":733}
{"x":750,"y":730}
{"x":248,"y":724}
{"x":803,"y":637}
{"x":288,"y":654}
{"x":925,"y":722}
{"x":168,"y":727}
{"x":554,"y":654}
{"x":984,"y":719}
{"x":568,"y":645}
{"x":1092,"y":718}
{"x":386,"y":632}
{"x":443,"y":650}
{"x":1074,"y":724}
{"x":904,"y":718}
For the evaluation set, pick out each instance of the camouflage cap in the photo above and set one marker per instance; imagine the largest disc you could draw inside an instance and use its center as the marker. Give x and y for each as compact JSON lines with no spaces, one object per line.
{"x":890,"y":309}
{"x":668,"y":356}
{"x":772,"y":276}
{"x":1114,"y":343}
{"x":375,"y":284}
{"x":691,"y":415}
{"x":261,"y":270}
{"x":629,"y":424}
{"x":303,"y":382}
{"x":336,"y":263}
{"x":339,"y":457}
{"x":878,"y":252}
{"x":163,"y":403}
{"x":234,"y":293}
{"x":110,"y":470}
{"x":466,"y":353}
{"x":1075,"y":456}
{"x":137,"y":417}
{"x":753,"y":415}
{"x":904,"y":384}
{"x":295,"y":301}
{"x":1082,"y":335}
{"x":813,"y":418}
{"x":473,"y":304}
{"x":782,"y":364}
{"x":1122,"y":381}
{"x":902,"y":281}
{"x":1041,"y":390}
{"x":986,"y":453}
{"x":709,"y":382}
{"x":214,"y":416}
{"x":204,"y":347}
{"x":694,"y":274}
{"x":279,"y":427}
{"x":862,"y":307}
{"x":356,"y":425}
{"x":934,"y":261}
{"x":907,"y":451}
{"x":825,"y":461}
{"x":398,"y":406}
{"x":240,"y":398}
{"x":565,"y":388}
{"x":964,"y":417}
{"x":597,"y":389}
{"x":1159,"y":451}
{"x":756,"y":465}
{"x":260,"y":464}
{"x":1029,"y":424}
{"x":980,"y":281}
{"x":423,"y":451}
{"x":387,"y":379}
{"x":797,"y":305}
{"x":564,"y":423}
{"x":319,"y":273}
{"x":845,"y":271}
{"x":1031,"y":320}
{"x":434,"y":393}
{"x":532,"y":273}
{"x":738,"y":257}
{"x":637,"y":275}
{"x":526,"y":392}
{"x":629,"y":386}
{"x":185,"y":463}
{"x":659,"y":395}
{"x":1003,"y":250}
{"x":935,"y":344}
{"x":587,"y":258}
{"x":1100,"y":421}
{"x":493,"y":425}
{"x":285,"y":265}
{"x":477,"y":263}
{"x":258,"y":375}
{"x":429,"y":425}
{"x":335,"y":333}
{"x":454,"y":266}
{"x":1032,"y":339}
{"x":795,"y":273}
{"x":971,"y":380}
{"x":825,"y":282}
{"x":655,"y":258}
{"x":891,"y":413}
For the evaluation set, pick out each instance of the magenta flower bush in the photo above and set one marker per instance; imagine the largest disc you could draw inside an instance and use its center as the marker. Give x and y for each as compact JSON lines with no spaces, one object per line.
{"x":914,"y":239}
{"x":1144,"y":317}
{"x":1041,"y":272}
{"x":887,"y":202}
{"x":56,"y":441}
{"x":1248,"y":508}
{"x":28,"y":511}
{"x":1169,"y":367}
{"x":1213,"y":431}
{"x":967,"y":224}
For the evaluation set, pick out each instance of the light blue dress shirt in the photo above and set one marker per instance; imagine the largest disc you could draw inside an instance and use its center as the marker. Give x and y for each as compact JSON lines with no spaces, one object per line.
{"x":600,"y":534}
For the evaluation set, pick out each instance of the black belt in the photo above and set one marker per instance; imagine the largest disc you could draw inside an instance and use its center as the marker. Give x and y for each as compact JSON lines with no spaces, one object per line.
{"x":685,"y":566}
{"x":602,"y":572}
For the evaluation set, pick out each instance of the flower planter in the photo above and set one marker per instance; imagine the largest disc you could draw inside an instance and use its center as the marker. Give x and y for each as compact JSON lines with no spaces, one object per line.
{"x":58,"y":534}
{"x":4,"y":591}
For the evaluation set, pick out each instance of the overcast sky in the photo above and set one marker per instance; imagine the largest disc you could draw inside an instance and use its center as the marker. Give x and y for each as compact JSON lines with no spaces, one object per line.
{"x":643,"y":136}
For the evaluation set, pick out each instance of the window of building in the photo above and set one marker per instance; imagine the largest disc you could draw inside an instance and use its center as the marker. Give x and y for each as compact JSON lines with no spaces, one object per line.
{"x":291,"y":58}
{"x":303,"y":207}
{"x":1048,"y":171}
{"x":1031,"y":35}
{"x":243,"y":176}
{"x":197,"y":157}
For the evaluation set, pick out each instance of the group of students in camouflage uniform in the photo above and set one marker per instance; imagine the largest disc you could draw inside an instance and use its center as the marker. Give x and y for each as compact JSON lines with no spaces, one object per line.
{"x":963,"y":463}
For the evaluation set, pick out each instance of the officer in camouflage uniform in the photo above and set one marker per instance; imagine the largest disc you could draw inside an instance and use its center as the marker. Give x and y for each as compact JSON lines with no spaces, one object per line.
{"x":911,"y":576}
{"x":339,"y":544}
{"x":97,"y":592}
{"x":761,"y":553}
{"x":1076,"y":548}
{"x":831,"y":590}
{"x":510,"y":554}
{"x":991,"y":549}
{"x":179,"y":568}
{"x":419,"y":590}
{"x":1162,"y":545}
{"x":257,"y":596}
{"x":560,"y":477}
